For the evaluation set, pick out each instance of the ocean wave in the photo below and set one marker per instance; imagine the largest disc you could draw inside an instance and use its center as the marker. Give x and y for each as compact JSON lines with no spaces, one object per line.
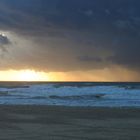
{"x":14,"y":87}
{"x":96,"y":96}
{"x":82,"y":94}
{"x":4,"y":93}
{"x":132,"y":87}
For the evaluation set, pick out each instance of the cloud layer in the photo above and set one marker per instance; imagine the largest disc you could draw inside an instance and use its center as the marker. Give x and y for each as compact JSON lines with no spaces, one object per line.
{"x":71,"y":35}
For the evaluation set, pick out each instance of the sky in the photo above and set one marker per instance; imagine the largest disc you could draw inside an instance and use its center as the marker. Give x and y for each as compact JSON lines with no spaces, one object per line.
{"x":70,"y":40}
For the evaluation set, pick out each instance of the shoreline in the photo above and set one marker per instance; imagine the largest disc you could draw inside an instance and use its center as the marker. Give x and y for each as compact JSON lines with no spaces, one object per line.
{"x":70,"y":107}
{"x":68,"y":123}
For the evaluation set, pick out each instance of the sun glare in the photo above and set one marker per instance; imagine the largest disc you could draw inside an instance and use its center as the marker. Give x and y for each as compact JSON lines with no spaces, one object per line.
{"x":23,"y":75}
{"x":28,"y":75}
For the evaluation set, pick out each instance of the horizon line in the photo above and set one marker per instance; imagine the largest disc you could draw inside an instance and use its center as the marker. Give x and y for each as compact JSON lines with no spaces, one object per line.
{"x":73,"y":81}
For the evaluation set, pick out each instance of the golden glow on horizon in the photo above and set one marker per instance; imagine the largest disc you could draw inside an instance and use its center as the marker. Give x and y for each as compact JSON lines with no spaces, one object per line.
{"x":23,"y":75}
{"x":111,"y":75}
{"x":28,"y":75}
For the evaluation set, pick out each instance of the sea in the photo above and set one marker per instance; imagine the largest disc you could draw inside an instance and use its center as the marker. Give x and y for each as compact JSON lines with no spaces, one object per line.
{"x":83,"y":94}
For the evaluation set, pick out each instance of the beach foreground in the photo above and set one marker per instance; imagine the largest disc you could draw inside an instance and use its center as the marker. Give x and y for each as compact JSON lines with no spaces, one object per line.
{"x":68,"y":123}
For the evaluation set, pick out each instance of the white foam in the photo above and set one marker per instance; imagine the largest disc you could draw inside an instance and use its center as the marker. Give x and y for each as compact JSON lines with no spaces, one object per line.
{"x":72,"y":96}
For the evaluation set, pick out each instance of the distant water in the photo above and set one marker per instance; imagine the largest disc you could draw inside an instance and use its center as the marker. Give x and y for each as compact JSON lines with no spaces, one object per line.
{"x":71,"y":94}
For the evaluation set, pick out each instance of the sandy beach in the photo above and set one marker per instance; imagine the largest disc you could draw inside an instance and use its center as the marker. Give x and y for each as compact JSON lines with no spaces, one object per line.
{"x":68,"y":123}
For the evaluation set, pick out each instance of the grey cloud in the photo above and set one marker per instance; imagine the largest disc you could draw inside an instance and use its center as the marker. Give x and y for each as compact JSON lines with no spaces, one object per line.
{"x":3,"y":42}
{"x":90,"y":59}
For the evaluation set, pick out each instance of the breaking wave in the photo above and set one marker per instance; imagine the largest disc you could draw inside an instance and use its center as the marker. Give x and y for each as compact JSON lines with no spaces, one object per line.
{"x":72,"y":94}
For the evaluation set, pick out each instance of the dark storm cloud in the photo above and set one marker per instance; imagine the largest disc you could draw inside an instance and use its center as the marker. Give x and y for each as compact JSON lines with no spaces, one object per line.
{"x":109,"y":29}
{"x":4,"y":40}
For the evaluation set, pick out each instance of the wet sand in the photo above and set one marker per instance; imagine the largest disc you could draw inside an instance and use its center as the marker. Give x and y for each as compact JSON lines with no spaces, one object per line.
{"x":68,"y":123}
